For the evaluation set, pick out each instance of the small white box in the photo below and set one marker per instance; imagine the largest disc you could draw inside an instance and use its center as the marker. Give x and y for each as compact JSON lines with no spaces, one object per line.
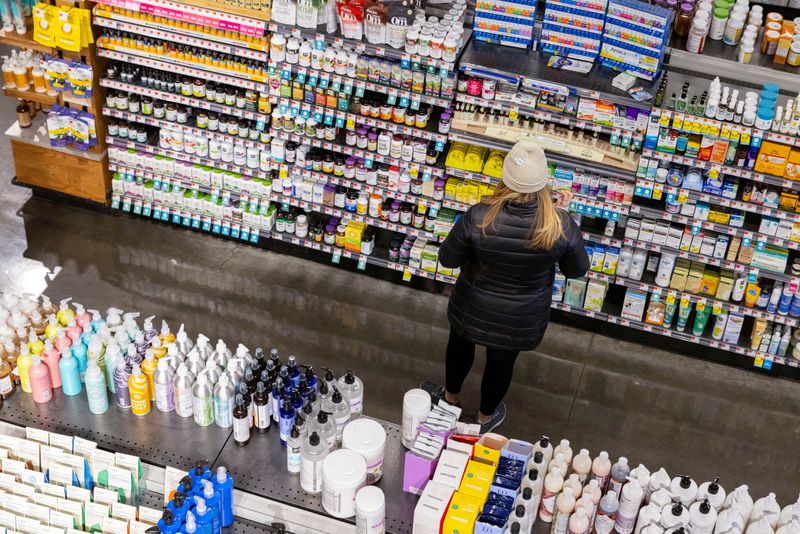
{"x":450,"y":468}
{"x":431,"y":507}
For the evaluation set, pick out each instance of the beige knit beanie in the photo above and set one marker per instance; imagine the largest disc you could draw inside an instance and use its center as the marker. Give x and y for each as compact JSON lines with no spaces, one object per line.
{"x":525,"y":168}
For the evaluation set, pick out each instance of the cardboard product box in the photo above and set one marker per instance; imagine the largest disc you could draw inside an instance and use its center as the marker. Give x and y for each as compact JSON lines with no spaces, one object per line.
{"x":707,"y":246}
{"x":610,"y":261}
{"x":792,"y":170}
{"x":694,"y":281}
{"x":788,"y":200}
{"x":725,"y":285}
{"x":451,"y":467}
{"x":679,"y":275}
{"x":710,"y":283}
{"x":634,"y":304}
{"x":746,"y":254}
{"x":772,"y":258}
{"x":595,"y":295}
{"x":575,"y":293}
{"x":686,"y":239}
{"x":733,"y":249}
{"x":354,"y":232}
{"x":784,"y":230}
{"x":597,"y":258}
{"x":674,"y":237}
{"x":461,"y":514}
{"x":632,"y":230}
{"x":768,"y":225}
{"x":430,"y":257}
{"x":697,"y":243}
{"x":477,"y":479}
{"x":559,"y":286}
{"x":646,"y":230}
{"x":661,"y":232}
{"x":431,"y":508}
{"x":772,"y":158}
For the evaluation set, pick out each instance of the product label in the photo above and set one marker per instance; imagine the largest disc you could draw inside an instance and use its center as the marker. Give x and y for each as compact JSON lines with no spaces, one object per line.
{"x":311,"y":476}
{"x":262,"y":416}
{"x":293,"y":459}
{"x":357,"y":406}
{"x":603,"y":524}
{"x":602,"y":481}
{"x":548,"y":505}
{"x":560,"y":523}
{"x":223,"y":411}
{"x":165,"y":397}
{"x":616,"y":486}
{"x":241,"y":430}
{"x":203,"y":410}
{"x":183,"y":402}
{"x":6,"y":386}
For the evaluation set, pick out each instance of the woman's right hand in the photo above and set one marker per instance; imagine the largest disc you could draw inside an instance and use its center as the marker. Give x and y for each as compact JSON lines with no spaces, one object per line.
{"x":563,"y":198}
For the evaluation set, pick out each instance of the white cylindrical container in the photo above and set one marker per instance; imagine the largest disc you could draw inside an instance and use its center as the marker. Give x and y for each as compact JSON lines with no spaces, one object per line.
{"x":344,"y":472}
{"x":370,"y":511}
{"x":416,"y":407}
{"x":367,"y":437}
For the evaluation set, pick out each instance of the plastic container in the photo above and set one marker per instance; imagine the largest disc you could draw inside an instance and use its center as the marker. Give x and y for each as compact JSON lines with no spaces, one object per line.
{"x":367,"y":437}
{"x":416,"y":407}
{"x":370,"y":511}
{"x":719,"y":19}
{"x":344,"y":472}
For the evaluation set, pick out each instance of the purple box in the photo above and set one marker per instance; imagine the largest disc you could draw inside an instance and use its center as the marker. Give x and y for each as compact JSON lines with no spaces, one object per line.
{"x":417,"y":472}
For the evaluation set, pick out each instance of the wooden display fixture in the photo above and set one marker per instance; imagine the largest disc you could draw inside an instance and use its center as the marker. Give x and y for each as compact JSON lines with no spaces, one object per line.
{"x":62,"y":169}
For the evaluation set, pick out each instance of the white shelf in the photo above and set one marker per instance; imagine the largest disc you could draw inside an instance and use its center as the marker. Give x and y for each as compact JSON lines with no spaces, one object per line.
{"x":37,"y":135}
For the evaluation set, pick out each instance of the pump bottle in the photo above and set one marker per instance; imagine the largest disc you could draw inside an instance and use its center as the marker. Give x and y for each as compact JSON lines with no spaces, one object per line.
{"x":70,"y":376}
{"x":713,"y":492}
{"x":139,"y":389}
{"x":223,"y":403}
{"x":353,"y":390}
{"x":293,"y":451}
{"x":223,"y":483}
{"x":39,"y":377}
{"x":96,"y":392}
{"x":313,"y":453}
{"x":24,"y":362}
{"x":182,"y":384}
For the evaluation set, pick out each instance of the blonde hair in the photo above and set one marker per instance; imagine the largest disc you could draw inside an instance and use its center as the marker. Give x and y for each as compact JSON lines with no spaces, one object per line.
{"x":546,"y":229}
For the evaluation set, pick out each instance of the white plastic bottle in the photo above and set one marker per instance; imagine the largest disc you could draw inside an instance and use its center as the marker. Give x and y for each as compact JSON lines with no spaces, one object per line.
{"x":684,"y":489}
{"x":565,"y":505}
{"x":606,"y":513}
{"x":538,"y":462}
{"x":658,"y":480}
{"x":766,"y":508}
{"x":559,"y":462}
{"x":730,"y":521}
{"x":713,"y":492}
{"x":741,"y":497}
{"x":553,"y":483}
{"x":565,"y":449}
{"x":578,"y":522}
{"x":649,"y":515}
{"x":789,"y":512}
{"x":574,"y":482}
{"x":601,"y":470}
{"x":674,"y":516}
{"x":619,"y":474}
{"x":629,"y":503}
{"x":546,"y":449}
{"x":702,"y":517}
{"x":761,"y":526}
{"x":294,"y":456}
{"x":582,"y":465}
{"x":593,"y":492}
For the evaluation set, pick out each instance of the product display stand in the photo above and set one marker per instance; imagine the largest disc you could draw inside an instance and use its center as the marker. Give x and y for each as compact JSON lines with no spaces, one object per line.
{"x":82,"y":174}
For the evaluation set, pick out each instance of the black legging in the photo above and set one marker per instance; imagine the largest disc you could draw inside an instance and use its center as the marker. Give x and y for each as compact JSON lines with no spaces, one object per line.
{"x":496,"y":376}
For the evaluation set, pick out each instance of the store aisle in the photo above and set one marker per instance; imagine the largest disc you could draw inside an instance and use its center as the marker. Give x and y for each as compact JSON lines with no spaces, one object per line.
{"x":656,"y":407}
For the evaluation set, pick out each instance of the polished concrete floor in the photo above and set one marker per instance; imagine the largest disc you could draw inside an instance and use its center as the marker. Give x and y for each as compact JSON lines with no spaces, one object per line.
{"x":656,"y":407}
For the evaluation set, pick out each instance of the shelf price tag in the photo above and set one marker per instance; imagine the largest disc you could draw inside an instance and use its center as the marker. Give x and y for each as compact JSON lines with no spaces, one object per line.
{"x":226,"y":228}
{"x":761,"y":245}
{"x":752,"y":276}
{"x":206,"y":223}
{"x":403,"y":102}
{"x":319,"y":41}
{"x":392,"y":99}
{"x":216,"y":227}
{"x":336,"y":256}
{"x":360,"y":86}
{"x":362,"y":262}
{"x":244,"y":235}
{"x":415,"y":101}
{"x":115,"y":201}
{"x":714,"y":172}
{"x":758,"y":361}
{"x":407,"y":274}
{"x":235,"y":230}
{"x":196,"y":221}
{"x":254,"y":235}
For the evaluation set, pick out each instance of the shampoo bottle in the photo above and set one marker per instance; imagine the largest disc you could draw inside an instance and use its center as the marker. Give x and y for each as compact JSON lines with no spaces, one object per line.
{"x":79,"y":352}
{"x":139,"y":389}
{"x":149,"y":369}
{"x":164,"y":390}
{"x":684,"y":489}
{"x":202,"y":402}
{"x":182,"y":384}
{"x":619,"y":474}
{"x":204,"y":516}
{"x":630,"y":501}
{"x":223,"y":402}
{"x":223,"y":483}
{"x":564,"y":448}
{"x":553,"y":483}
{"x":122,"y":392}
{"x":39,"y":377}
{"x":579,"y":522}
{"x":353,"y":390}
{"x":601,"y":470}
{"x":702,"y":518}
{"x":606,"y":513}
{"x":313,"y":453}
{"x":293,"y":452}
{"x":582,"y":465}
{"x":24,"y":361}
{"x":546,"y":448}
{"x":51,"y":357}
{"x":212,"y":498}
{"x":70,"y":375}
{"x":713,"y":492}
{"x":565,"y":505}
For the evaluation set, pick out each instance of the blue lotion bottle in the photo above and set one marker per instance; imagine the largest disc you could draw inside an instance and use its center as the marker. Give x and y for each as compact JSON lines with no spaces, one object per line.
{"x":70,"y":375}
{"x":79,"y":351}
{"x":198,"y":473}
{"x":211,"y":496}
{"x":286,"y":420}
{"x":204,"y":515}
{"x":190,"y":527}
{"x":168,"y":524}
{"x":223,"y":483}
{"x":179,"y":506}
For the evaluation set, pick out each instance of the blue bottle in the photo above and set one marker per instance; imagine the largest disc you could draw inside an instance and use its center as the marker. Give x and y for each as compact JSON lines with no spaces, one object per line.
{"x":179,"y":506}
{"x":97,"y":321}
{"x":286,"y":420}
{"x":294,"y":371}
{"x":204,"y":516}
{"x":794,"y":308}
{"x":168,"y":524}
{"x":211,"y":496}
{"x":79,"y":351}
{"x":186,"y":486}
{"x":786,"y":300}
{"x":223,"y":483}
{"x":70,"y":375}
{"x":198,"y":473}
{"x":190,"y":527}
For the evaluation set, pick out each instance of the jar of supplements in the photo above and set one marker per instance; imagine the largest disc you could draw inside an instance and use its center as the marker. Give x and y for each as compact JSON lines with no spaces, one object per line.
{"x":384,"y":143}
{"x":351,"y":201}
{"x":431,"y":155}
{"x":394,"y":213}
{"x":350,"y":168}
{"x":213,"y":121}
{"x":202,"y":120}
{"x":449,"y":49}
{"x":361,"y":171}
{"x":351,"y":137}
{"x":421,"y":120}
{"x":293,"y":51}
{"x":339,"y":198}
{"x":438,"y":189}
{"x":396,"y":149}
{"x":406,"y":214}
{"x":330,"y":235}
{"x":375,"y":203}
{"x":399,"y":115}
{"x":362,"y":203}
{"x":338,"y":165}
{"x":301,"y":226}
{"x":386,"y":112}
{"x":327,"y":164}
{"x":341,"y":232}
{"x":277,"y":48}
{"x":372,"y":142}
{"x":412,"y":41}
{"x":488,"y":89}
{"x":134,"y":105}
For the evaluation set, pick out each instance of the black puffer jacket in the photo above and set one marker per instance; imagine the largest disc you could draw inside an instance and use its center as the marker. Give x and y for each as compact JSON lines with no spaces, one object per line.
{"x":503,"y":294}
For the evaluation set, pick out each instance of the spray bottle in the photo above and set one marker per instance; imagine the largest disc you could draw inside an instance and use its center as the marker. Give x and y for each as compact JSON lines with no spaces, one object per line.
{"x":223,"y":403}
{"x":163,"y":390}
{"x":70,"y":374}
{"x":223,"y":483}
{"x":276,"y":399}
{"x":261,"y":408}
{"x":313,"y":453}
{"x":96,"y":392}
{"x":202,"y":402}
{"x":139,"y":388}
{"x":39,"y":377}
{"x":51,"y":357}
{"x":287,"y":420}
{"x":183,"y":383}
{"x":121,"y":378}
{"x":241,"y":423}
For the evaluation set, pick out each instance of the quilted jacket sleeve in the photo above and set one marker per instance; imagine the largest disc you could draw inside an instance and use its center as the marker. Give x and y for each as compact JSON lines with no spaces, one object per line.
{"x":457,"y":247}
{"x":575,"y":262}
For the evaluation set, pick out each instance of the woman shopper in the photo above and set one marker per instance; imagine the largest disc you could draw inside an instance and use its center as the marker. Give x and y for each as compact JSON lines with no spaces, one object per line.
{"x":507,"y":248}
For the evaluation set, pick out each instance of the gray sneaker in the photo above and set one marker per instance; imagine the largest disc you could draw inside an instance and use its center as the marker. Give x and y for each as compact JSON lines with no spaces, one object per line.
{"x":497,"y":419}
